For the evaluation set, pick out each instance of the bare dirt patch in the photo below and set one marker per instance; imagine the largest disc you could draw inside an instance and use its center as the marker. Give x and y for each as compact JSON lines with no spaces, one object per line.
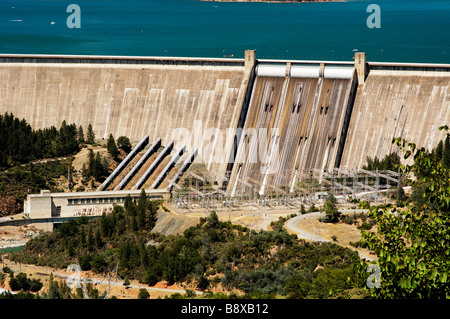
{"x":13,"y":236}
{"x":340,"y":233}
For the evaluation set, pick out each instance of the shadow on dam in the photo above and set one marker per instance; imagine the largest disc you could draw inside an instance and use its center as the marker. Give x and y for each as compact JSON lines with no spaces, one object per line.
{"x":296,"y":121}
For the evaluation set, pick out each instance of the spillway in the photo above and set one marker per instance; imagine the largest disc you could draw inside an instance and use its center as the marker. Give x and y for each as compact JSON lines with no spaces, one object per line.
{"x":294,"y":123}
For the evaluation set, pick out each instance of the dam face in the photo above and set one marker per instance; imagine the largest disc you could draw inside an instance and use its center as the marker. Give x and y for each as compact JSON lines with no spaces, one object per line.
{"x":294,"y":124}
{"x":260,"y":126}
{"x":409,"y":104}
{"x":128,"y":96}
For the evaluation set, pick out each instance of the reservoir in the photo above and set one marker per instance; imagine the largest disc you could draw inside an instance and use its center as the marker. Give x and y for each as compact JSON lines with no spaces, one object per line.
{"x":410,"y":31}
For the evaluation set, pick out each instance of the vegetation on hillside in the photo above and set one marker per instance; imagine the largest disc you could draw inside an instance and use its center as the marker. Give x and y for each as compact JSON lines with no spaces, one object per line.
{"x":264,"y":263}
{"x":21,"y":144}
{"x":29,"y":160}
{"x":17,"y":182}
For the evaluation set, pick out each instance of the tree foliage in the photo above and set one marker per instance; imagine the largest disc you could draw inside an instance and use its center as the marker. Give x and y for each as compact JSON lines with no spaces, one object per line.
{"x":97,"y":166}
{"x":21,"y":144}
{"x":330,"y":208}
{"x":90,"y":135}
{"x":124,"y":143}
{"x":260,"y":263}
{"x":413,"y":244}
{"x":112,"y":147}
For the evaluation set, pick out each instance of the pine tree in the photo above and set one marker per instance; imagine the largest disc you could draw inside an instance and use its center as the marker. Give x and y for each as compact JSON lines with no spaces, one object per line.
{"x":80,"y":135}
{"x":124,"y":143}
{"x":82,"y":238}
{"x":112,"y":147}
{"x":330,"y":208}
{"x":84,"y":172}
{"x":142,"y":209}
{"x":98,"y":239}
{"x":97,"y":169}
{"x":90,"y":137}
{"x":105,"y":166}
{"x":91,"y":164}
{"x":90,"y":240}
{"x":128,"y":202}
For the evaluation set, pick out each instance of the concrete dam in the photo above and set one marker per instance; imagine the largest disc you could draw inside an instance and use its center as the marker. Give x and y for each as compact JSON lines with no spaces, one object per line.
{"x":257,"y":125}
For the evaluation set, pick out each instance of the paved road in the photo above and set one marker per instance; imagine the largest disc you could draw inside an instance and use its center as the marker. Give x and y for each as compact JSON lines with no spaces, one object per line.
{"x":292,"y":224}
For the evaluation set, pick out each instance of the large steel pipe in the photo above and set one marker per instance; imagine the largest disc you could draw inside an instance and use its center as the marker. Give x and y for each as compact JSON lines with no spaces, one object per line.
{"x":183,"y":169}
{"x":154,"y":165}
{"x":153,"y":148}
{"x":126,"y":160}
{"x":168,"y":167}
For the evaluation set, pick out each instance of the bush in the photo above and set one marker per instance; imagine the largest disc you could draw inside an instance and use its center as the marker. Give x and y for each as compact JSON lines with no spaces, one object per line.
{"x":21,"y":282}
{"x":124,"y":143}
{"x":302,"y":209}
{"x":365,"y":226}
{"x":143,"y":294}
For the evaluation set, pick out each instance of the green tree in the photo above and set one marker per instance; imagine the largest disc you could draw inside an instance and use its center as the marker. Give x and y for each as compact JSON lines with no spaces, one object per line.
{"x":112,"y":147}
{"x":143,"y":294}
{"x":90,"y":136}
{"x":212,"y":221}
{"x":80,"y":135}
{"x":98,"y":239}
{"x":331,"y":211}
{"x":302,"y":209}
{"x":412,"y":246}
{"x":142,"y":207}
{"x":298,"y":286}
{"x":439,"y":151}
{"x":90,"y":240}
{"x":124,"y":143}
{"x":401,"y":196}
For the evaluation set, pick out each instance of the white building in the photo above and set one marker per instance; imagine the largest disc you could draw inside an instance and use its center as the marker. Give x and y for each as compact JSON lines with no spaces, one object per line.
{"x":46,"y":206}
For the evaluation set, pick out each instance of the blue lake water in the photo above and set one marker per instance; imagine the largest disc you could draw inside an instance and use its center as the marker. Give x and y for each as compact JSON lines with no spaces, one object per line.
{"x":411,"y":30}
{"x":11,"y":249}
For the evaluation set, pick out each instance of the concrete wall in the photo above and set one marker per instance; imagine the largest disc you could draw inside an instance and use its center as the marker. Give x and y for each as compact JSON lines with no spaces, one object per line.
{"x":136,"y":96}
{"x":39,"y":205}
{"x":408,"y":104}
{"x":301,"y":120}
{"x":128,"y":97}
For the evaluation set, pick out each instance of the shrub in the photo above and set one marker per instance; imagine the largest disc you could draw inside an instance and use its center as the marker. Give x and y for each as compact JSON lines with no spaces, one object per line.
{"x":365,"y":226}
{"x":143,"y":294}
